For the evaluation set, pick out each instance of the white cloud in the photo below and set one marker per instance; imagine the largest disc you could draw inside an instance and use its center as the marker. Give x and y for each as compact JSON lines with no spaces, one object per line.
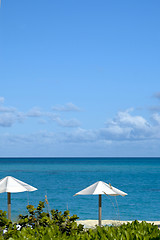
{"x":34,"y":112}
{"x":10,"y":115}
{"x":60,"y":145}
{"x":7,"y":109}
{"x":115,"y":133}
{"x":63,"y":122}
{"x":127,"y":127}
{"x":126,"y":119}
{"x":82,"y":135}
{"x":68,"y":107}
{"x":1,"y":99}
{"x":156,"y":117}
{"x":7,"y":120}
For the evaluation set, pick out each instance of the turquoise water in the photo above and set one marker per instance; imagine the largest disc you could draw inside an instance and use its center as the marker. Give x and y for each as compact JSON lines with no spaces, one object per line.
{"x":61,"y":178}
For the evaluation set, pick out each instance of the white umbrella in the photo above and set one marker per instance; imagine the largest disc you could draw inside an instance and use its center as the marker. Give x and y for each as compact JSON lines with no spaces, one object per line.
{"x":100,"y":188}
{"x":12,"y":185}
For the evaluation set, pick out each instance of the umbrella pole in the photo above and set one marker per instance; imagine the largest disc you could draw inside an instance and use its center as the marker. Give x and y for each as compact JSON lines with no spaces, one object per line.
{"x":100,"y":209}
{"x":9,"y":205}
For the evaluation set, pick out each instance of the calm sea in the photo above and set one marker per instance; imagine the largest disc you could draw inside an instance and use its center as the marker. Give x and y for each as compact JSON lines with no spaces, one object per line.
{"x":61,"y":178}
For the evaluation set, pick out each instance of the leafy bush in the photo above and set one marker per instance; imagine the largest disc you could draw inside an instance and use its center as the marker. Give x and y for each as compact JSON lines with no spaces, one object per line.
{"x":129,"y":231}
{"x":36,"y":217}
{"x":38,"y":224}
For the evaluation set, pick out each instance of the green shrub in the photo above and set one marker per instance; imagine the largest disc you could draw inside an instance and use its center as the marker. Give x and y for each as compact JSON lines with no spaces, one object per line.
{"x":38,"y":224}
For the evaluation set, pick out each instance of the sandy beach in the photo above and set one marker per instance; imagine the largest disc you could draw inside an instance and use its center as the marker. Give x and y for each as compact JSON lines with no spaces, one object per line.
{"x":93,"y":223}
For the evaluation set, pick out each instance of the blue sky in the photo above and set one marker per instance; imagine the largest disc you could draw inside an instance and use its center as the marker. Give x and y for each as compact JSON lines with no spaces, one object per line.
{"x":79,"y":78}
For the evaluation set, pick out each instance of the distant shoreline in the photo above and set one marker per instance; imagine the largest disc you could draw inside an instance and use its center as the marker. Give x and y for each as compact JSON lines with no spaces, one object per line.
{"x":92,"y":223}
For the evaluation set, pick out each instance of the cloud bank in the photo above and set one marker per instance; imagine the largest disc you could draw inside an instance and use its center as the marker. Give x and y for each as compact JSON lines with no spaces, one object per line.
{"x":125,"y":129}
{"x":10,"y":115}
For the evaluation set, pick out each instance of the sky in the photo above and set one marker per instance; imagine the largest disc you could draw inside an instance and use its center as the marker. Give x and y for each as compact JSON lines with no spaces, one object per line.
{"x":79,"y":78}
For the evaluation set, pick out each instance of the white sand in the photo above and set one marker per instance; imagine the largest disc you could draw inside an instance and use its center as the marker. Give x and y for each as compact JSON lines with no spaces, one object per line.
{"x":93,"y":223}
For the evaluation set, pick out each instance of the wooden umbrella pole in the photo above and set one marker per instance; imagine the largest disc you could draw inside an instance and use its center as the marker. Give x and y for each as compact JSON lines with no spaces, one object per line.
{"x":9,"y":205}
{"x":100,"y":209}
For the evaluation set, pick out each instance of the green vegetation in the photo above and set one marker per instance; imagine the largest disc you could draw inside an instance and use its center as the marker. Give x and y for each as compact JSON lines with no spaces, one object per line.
{"x":38,"y":224}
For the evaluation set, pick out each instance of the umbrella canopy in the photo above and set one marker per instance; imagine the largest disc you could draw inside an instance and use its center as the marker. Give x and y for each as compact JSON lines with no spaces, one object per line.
{"x":100,"y":188}
{"x":12,"y":185}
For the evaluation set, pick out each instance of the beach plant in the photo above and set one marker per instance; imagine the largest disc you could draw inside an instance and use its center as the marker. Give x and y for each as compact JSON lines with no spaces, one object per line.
{"x":130,"y":231}
{"x":4,"y":221}
{"x":38,"y":224}
{"x":134,"y":230}
{"x":66,"y":222}
{"x":36,"y":217}
{"x":6,"y":225}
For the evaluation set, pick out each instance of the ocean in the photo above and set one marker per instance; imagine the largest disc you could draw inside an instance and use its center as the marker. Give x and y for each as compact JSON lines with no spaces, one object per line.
{"x":61,"y":178}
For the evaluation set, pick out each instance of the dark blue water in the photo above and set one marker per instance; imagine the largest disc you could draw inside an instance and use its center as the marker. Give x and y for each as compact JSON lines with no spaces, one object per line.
{"x":61,"y":178}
